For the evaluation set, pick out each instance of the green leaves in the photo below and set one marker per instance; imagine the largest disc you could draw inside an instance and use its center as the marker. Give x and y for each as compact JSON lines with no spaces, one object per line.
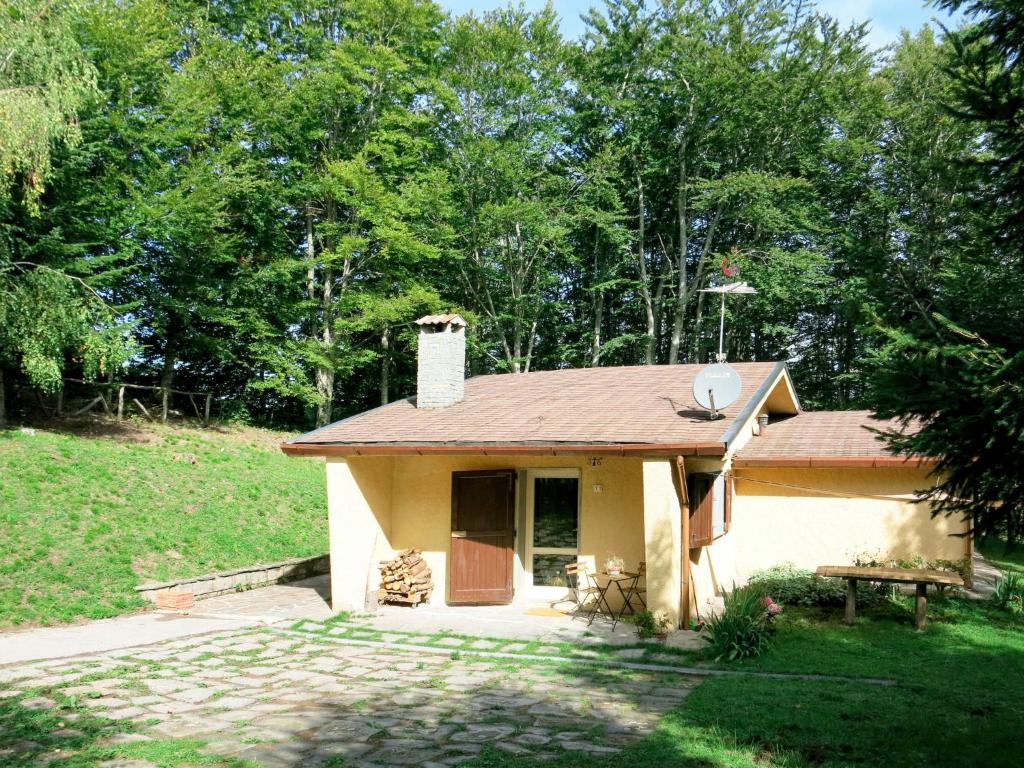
{"x":273,"y":190}
{"x":45,"y":80}
{"x":44,"y":315}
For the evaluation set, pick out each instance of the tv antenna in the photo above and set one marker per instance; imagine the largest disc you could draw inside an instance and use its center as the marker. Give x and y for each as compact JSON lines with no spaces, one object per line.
{"x":718,"y":385}
{"x":741,"y":288}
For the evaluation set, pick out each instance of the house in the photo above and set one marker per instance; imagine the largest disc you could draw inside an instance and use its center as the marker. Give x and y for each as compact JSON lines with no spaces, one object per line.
{"x":504,"y":479}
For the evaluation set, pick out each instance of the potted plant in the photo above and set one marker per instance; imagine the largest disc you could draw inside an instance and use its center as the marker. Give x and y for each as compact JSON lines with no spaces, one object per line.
{"x":662,"y":625}
{"x":613,"y":565}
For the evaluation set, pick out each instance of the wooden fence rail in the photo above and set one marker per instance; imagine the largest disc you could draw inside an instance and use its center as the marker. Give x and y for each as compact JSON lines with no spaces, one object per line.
{"x":165,"y":396}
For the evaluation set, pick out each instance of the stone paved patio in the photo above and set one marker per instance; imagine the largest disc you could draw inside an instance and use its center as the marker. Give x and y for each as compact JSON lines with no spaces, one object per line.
{"x":305,"y":599}
{"x":266,"y":695}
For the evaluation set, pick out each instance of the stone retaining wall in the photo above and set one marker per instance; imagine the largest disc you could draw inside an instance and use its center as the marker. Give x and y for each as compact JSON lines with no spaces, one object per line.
{"x":213,"y":584}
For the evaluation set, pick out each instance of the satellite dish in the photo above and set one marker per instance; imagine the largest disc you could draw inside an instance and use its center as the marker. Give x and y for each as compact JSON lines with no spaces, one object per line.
{"x":716,"y":387}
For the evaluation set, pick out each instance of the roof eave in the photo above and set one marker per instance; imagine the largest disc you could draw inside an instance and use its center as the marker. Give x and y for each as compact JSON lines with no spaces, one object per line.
{"x":755,"y":400}
{"x":503,"y":449}
{"x":836,"y":462}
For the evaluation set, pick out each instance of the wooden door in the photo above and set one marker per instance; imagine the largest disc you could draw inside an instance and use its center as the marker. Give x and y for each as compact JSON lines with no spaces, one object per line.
{"x":483,"y":537}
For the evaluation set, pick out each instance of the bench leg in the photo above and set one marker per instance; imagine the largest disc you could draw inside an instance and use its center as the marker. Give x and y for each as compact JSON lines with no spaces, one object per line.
{"x":851,"y":601}
{"x":921,"y":607}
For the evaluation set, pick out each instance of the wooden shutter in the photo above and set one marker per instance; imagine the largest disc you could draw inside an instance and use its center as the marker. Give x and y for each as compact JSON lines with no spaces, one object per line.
{"x":702,"y":507}
{"x":701,"y":510}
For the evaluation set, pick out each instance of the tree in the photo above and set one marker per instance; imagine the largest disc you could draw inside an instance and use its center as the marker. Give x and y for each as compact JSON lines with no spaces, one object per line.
{"x":48,"y":306}
{"x":953,"y":363}
{"x":723,"y":116}
{"x":513,"y":201}
{"x":44,"y":82}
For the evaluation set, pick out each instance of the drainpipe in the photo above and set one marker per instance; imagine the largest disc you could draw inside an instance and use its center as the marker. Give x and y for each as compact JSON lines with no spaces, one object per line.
{"x":684,"y":511}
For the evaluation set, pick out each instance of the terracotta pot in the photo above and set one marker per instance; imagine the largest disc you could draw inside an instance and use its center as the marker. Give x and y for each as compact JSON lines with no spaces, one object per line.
{"x":175,"y":600}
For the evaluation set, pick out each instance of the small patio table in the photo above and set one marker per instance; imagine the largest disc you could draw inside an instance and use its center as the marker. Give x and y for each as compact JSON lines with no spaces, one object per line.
{"x":628,"y":579}
{"x":922,"y":577}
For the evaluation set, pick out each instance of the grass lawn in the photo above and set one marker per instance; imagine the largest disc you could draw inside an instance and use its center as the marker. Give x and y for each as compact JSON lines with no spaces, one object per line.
{"x":86,"y":517}
{"x":994,"y":551}
{"x":959,"y":698}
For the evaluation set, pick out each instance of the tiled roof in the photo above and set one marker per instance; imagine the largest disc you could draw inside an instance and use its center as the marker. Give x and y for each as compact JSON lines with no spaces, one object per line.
{"x":440,"y":320}
{"x":823,"y":438}
{"x":591,"y":406}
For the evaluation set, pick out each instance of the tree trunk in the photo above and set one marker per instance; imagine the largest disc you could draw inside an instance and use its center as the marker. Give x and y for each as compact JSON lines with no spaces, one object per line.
{"x":645,"y":288}
{"x":595,"y":342}
{"x":682,"y":296}
{"x":385,"y":365}
{"x":517,"y":351}
{"x":1012,"y":532}
{"x":167,"y":369}
{"x":325,"y":373}
{"x":699,"y":281}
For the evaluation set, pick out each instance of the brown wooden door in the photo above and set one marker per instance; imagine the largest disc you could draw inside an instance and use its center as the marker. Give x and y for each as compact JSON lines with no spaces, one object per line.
{"x":483,"y":537}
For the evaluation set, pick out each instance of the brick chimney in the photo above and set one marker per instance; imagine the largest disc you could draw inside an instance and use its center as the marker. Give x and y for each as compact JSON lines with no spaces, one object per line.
{"x":441,"y":374}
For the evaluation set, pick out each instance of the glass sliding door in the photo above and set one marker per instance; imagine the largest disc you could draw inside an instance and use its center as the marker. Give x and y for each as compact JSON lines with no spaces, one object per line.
{"x":554,"y":526}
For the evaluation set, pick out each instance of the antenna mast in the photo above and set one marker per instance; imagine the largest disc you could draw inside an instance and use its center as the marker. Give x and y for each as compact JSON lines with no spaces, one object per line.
{"x":741,"y":288}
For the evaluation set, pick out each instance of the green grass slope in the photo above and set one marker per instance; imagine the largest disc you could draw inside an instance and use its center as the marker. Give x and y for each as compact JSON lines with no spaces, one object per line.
{"x":86,"y":517}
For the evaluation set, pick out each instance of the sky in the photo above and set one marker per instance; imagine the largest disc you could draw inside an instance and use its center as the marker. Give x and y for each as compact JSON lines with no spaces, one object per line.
{"x":887,"y":17}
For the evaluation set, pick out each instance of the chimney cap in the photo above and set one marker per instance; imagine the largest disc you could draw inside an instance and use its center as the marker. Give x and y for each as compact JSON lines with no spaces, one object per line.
{"x":441,"y":320}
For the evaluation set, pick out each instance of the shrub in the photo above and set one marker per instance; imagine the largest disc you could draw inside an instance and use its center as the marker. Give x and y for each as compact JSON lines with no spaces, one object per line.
{"x":1009,"y":594}
{"x":744,"y":626}
{"x":798,"y":586}
{"x":963,"y":567}
{"x":651,"y":624}
{"x":645,"y":626}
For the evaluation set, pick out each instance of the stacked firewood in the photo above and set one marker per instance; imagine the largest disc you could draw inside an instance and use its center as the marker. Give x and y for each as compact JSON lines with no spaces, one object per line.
{"x":405,"y":579}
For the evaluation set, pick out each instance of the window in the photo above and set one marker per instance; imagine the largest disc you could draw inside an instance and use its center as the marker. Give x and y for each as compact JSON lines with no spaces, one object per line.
{"x":555,"y":498}
{"x":710,"y":507}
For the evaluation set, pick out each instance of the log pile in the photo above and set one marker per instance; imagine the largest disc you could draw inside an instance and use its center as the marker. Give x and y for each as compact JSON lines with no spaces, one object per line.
{"x":405,"y":579}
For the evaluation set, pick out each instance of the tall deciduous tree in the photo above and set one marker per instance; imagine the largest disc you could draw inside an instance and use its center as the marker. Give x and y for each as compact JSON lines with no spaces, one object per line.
{"x":48,"y":308}
{"x":514,"y":201}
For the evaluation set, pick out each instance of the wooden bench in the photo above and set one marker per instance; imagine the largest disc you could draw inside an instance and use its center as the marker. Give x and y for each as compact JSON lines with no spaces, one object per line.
{"x":922,"y":577}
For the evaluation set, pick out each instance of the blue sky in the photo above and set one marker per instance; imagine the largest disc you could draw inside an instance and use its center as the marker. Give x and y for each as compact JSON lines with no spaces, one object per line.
{"x":887,"y":17}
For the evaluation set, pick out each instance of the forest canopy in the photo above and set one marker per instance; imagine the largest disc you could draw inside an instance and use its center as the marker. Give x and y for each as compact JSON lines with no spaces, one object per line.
{"x":255,"y":198}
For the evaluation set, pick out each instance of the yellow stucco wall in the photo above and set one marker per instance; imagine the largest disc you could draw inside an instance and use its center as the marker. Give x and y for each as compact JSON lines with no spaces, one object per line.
{"x":662,"y":537}
{"x":379,"y":505}
{"x":774,"y":524}
{"x":419,"y":504}
{"x":359,"y":504}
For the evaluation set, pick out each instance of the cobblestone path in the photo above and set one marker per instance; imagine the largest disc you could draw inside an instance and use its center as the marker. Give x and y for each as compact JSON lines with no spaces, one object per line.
{"x":281,"y":700}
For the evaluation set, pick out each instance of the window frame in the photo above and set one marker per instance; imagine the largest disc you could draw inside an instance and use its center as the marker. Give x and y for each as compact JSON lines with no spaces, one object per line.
{"x":531,"y":476}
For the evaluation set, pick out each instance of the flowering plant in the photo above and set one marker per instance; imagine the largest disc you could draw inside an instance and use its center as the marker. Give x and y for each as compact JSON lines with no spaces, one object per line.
{"x":772,"y":609}
{"x":614,"y":564}
{"x":743,"y":628}
{"x":662,"y":622}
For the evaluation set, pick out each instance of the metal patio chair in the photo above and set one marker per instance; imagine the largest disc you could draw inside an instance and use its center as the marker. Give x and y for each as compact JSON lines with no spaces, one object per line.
{"x":586,"y":588}
{"x":639,"y":588}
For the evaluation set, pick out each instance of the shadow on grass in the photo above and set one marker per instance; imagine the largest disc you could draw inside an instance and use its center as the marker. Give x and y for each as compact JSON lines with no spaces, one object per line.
{"x":960,"y":700}
{"x":41,"y":727}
